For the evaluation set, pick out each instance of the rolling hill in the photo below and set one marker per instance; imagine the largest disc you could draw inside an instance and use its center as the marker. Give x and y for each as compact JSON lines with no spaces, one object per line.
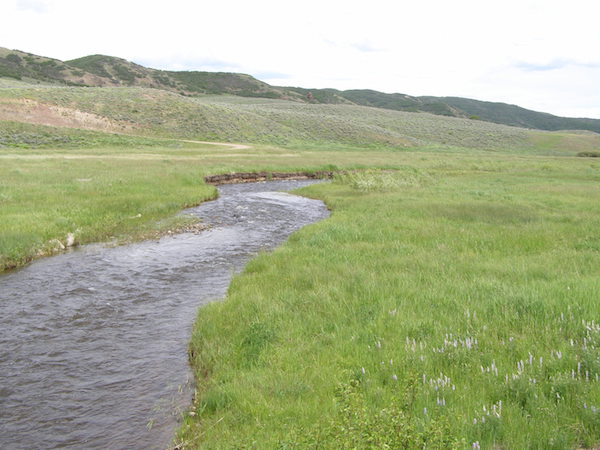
{"x":102,"y":71}
{"x":502,"y":113}
{"x":109,"y":71}
{"x":120,"y":72}
{"x":227,"y":118}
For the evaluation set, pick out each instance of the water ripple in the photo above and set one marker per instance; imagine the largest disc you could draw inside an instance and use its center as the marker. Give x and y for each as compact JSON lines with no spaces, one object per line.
{"x":93,"y":343}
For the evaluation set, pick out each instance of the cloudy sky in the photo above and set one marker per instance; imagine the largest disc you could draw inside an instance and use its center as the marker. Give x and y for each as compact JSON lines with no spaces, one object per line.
{"x":539,"y":54}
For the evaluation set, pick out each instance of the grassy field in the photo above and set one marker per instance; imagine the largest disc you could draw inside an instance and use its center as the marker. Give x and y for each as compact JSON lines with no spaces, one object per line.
{"x":56,"y":182}
{"x":450,"y":300}
{"x":448,"y":304}
{"x":42,"y":201}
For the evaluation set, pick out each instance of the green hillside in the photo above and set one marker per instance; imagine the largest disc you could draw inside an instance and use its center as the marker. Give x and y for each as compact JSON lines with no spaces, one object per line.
{"x":502,"y":113}
{"x":120,"y":72}
{"x":517,"y":116}
{"x":20,"y":65}
{"x":238,"y":119}
{"x":102,"y":70}
{"x":153,"y":112}
{"x":398,"y":102}
{"x":224,"y":83}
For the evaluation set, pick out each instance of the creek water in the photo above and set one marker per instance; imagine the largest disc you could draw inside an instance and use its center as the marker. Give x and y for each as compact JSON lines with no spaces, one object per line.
{"x":93,"y":343}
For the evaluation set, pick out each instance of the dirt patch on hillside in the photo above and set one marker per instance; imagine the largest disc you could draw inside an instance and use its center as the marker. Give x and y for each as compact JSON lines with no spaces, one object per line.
{"x":31,"y":111}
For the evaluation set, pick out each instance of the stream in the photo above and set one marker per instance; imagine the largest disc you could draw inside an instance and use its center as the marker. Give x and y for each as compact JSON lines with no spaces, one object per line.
{"x":93,"y":342}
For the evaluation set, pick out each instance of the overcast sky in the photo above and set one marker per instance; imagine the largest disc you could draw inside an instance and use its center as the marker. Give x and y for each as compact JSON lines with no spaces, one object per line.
{"x":542,"y":55}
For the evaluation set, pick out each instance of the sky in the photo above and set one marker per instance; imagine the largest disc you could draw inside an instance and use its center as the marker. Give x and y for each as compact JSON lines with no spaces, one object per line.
{"x":541,"y":55}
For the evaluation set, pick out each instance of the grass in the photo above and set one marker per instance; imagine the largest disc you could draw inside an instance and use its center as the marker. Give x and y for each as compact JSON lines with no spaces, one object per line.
{"x":290,"y":124}
{"x":557,"y":142}
{"x":440,"y":305}
{"x":449,"y":301}
{"x":103,"y":70}
{"x":56,"y":181}
{"x":32,"y":136}
{"x":42,"y":201}
{"x":102,"y":187}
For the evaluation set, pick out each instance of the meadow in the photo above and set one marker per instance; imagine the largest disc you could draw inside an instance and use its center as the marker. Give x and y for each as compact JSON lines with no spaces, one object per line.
{"x":447,"y":304}
{"x":449,"y":301}
{"x":59,"y":184}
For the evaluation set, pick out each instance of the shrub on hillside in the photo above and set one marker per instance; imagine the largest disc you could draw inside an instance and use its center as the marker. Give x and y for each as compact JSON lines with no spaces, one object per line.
{"x":589,"y":154}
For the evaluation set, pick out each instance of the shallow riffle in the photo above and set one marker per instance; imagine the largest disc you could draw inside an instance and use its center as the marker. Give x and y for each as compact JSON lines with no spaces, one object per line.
{"x":93,"y":342}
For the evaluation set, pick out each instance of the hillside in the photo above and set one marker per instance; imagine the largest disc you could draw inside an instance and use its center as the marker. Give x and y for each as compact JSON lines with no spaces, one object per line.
{"x":108,"y":71}
{"x":26,"y":66}
{"x":102,"y":71}
{"x":376,"y":99}
{"x":154,"y":112}
{"x":517,"y":116}
{"x":121,"y":72}
{"x":502,"y":113}
{"x":253,"y":120}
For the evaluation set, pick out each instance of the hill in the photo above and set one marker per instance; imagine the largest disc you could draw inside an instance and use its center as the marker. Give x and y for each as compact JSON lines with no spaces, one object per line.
{"x":102,"y":71}
{"x":120,"y":72}
{"x":154,"y":112}
{"x":26,"y":66}
{"x":517,"y":116}
{"x":496,"y":112}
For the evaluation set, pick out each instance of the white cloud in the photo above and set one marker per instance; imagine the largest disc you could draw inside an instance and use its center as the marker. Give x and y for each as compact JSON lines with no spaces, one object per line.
{"x":492,"y":50}
{"x":37,"y":6}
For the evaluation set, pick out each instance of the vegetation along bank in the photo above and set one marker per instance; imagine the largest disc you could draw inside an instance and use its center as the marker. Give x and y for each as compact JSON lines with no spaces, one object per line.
{"x":449,"y":301}
{"x":451,"y":306}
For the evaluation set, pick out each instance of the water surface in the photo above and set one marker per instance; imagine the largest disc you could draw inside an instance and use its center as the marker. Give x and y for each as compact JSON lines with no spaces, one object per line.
{"x":93,"y":343}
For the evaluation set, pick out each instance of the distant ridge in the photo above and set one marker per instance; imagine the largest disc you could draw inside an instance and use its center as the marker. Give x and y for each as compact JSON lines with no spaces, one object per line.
{"x":101,"y":70}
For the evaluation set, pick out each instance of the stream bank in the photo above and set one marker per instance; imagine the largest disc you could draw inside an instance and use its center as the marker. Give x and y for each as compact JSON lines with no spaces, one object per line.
{"x":93,"y":342}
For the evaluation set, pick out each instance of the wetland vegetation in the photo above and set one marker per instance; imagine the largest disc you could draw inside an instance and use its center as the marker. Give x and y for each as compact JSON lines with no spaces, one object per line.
{"x":445,"y":304}
{"x":449,"y":301}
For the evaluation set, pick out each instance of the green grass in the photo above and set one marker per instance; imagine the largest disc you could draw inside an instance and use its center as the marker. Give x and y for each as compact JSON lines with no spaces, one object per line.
{"x":42,"y":201}
{"x":441,"y":305}
{"x":556,"y":143}
{"x":55,"y":181}
{"x":102,"y":186}
{"x":31,"y":136}
{"x":291,"y":124}
{"x":277,"y":122}
{"x":464,"y":276}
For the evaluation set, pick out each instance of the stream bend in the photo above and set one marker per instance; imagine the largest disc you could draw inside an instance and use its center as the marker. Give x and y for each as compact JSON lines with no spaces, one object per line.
{"x":93,"y":343}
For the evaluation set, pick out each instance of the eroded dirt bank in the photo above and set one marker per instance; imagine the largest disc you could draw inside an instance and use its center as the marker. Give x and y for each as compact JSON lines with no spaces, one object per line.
{"x":250,"y":177}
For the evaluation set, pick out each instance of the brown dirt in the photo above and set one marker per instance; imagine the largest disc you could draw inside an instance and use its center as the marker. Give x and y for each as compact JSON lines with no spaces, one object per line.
{"x":250,"y":177}
{"x":31,"y":111}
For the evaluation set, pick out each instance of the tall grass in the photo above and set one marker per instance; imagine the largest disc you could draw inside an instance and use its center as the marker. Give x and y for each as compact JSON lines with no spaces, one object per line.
{"x":42,"y":202}
{"x":457,"y":311}
{"x":98,"y":187}
{"x":450,"y":302}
